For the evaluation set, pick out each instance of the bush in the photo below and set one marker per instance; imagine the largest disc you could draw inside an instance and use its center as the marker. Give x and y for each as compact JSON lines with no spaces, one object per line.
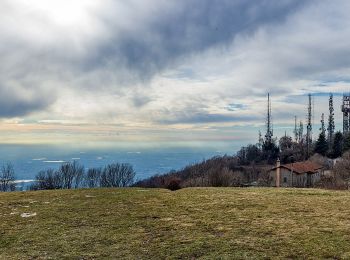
{"x":217,"y":171}
{"x":47,"y":180}
{"x":342,"y":169}
{"x":174,"y":184}
{"x":221,"y":177}
{"x":7,"y":178}
{"x":70,"y":175}
{"x":265,"y":179}
{"x":330,"y":181}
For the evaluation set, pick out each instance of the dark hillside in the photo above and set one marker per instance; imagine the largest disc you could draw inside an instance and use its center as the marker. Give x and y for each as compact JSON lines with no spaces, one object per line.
{"x":215,"y":172}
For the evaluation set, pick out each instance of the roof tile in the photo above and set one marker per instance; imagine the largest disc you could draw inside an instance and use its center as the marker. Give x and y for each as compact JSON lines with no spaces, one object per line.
{"x":302,"y":167}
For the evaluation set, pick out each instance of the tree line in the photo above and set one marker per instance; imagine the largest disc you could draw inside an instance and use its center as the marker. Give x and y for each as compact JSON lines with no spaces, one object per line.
{"x":290,"y":150}
{"x":72,"y":175}
{"x":251,"y":164}
{"x":219,"y":171}
{"x":300,"y":146}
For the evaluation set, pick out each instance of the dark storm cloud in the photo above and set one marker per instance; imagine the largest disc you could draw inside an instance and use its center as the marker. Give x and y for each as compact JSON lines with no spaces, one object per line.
{"x":99,"y":53}
{"x":187,"y":27}
{"x":15,"y":106}
{"x":16,"y":101}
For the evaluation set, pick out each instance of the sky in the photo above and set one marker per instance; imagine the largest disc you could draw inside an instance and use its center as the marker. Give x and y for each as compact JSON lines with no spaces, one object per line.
{"x":106,"y":71}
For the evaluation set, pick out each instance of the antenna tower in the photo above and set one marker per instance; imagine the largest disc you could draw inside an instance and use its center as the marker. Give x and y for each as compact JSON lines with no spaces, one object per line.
{"x":260,"y":141}
{"x":301,"y":131}
{"x":269,"y":130}
{"x":331,"y":125}
{"x":322,"y":129}
{"x":295,"y":129}
{"x":345,"y":108}
{"x":309,"y":127}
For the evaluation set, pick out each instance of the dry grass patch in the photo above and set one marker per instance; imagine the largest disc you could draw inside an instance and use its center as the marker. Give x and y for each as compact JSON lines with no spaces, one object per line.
{"x":191,"y":223}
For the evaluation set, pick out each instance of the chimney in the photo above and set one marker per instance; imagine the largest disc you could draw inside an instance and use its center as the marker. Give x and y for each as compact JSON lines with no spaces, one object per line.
{"x":278,"y":173}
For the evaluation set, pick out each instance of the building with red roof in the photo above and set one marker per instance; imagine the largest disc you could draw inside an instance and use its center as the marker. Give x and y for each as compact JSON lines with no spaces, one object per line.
{"x":298,"y":174}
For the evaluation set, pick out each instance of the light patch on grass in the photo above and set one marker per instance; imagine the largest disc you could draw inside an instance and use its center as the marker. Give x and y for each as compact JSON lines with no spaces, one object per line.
{"x":28,"y":215}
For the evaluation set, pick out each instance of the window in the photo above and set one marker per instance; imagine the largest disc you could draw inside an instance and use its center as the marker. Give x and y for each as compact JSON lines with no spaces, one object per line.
{"x":285,"y":179}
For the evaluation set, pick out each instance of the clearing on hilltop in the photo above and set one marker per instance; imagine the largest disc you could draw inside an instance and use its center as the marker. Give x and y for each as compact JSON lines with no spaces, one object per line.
{"x":208,"y":223}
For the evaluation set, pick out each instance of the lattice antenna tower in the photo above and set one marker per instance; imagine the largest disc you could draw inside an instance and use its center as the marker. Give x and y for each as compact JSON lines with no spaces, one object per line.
{"x":269,"y":127}
{"x":323,"y":128}
{"x":296,"y":132}
{"x":301,"y":131}
{"x":313,"y":110}
{"x":309,"y":126}
{"x":331,"y":125}
{"x":345,"y":108}
{"x":260,"y":140}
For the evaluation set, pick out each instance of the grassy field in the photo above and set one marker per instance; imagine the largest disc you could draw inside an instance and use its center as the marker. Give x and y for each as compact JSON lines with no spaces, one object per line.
{"x":196,"y":223}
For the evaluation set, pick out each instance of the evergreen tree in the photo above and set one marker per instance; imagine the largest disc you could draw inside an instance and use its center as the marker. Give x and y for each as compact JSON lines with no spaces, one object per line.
{"x":337,"y":145}
{"x":346,"y":144}
{"x":253,"y":153}
{"x":270,"y":151}
{"x":287,"y":149}
{"x":321,"y":146}
{"x":249,"y":154}
{"x":285,"y":143}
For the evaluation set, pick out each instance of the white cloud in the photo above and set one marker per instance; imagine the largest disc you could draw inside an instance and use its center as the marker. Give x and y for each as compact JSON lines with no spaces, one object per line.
{"x":152,"y":63}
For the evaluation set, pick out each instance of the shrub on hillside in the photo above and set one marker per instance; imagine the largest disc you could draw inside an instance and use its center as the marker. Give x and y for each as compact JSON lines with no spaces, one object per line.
{"x":47,"y":180}
{"x":321,"y":160}
{"x":220,"y":177}
{"x":225,"y":178}
{"x":342,"y":169}
{"x":174,"y":184}
{"x":330,"y":181}
{"x":7,"y":178}
{"x":69,"y":175}
{"x":217,"y":171}
{"x":265,"y":178}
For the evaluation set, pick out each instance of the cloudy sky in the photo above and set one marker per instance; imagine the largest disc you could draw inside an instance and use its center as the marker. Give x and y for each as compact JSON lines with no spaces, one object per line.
{"x":174,"y":70}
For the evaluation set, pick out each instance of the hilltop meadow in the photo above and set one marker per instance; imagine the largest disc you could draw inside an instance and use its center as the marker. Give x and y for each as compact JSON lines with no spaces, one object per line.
{"x":191,"y":223}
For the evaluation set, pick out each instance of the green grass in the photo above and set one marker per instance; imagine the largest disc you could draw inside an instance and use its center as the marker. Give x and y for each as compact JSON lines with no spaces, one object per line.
{"x":206,"y":223}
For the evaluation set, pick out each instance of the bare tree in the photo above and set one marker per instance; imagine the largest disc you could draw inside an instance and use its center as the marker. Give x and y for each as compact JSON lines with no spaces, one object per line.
{"x":79,"y":172}
{"x":117,"y":175}
{"x":47,"y":180}
{"x":322,"y":160}
{"x":71,"y":174}
{"x":93,"y":177}
{"x":7,"y":178}
{"x":265,"y":178}
{"x":342,"y":169}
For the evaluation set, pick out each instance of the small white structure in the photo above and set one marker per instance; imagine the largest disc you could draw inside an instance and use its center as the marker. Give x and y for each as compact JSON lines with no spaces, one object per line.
{"x":298,"y":174}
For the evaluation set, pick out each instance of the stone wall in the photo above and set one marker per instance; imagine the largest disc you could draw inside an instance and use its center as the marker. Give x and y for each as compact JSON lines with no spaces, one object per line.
{"x":289,"y":179}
